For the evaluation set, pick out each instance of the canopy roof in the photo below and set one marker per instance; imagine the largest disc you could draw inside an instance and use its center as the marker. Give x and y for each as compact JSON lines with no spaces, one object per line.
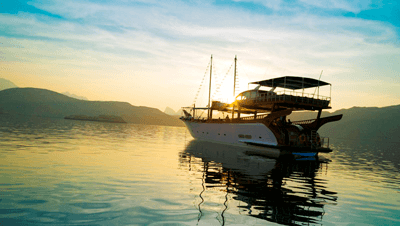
{"x":292,"y":82}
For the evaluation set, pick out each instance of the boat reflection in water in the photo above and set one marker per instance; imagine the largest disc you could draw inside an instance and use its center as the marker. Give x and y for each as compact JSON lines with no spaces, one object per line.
{"x":282,"y":190}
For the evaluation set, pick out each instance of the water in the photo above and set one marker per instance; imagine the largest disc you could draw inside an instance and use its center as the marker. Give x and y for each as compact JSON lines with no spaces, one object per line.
{"x":63,"y":172}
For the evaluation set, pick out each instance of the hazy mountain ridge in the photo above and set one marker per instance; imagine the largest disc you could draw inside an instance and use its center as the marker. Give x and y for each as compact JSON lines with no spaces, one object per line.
{"x":47,"y":103}
{"x":6,"y":84}
{"x":370,"y":123}
{"x":170,"y":111}
{"x":75,"y":96}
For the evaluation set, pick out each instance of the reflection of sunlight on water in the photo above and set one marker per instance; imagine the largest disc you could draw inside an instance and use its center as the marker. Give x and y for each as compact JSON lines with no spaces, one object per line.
{"x":75,"y":172}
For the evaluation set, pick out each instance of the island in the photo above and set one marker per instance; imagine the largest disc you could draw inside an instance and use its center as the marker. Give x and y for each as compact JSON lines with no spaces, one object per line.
{"x":100,"y":118}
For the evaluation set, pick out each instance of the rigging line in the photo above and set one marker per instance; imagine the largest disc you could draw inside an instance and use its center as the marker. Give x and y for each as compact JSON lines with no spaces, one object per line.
{"x":246,"y":77}
{"x":198,"y":92}
{"x":318,"y":84}
{"x":201,"y":84}
{"x":214,"y":73}
{"x":222,"y":81}
{"x":242,"y":78}
{"x":200,"y":114}
{"x":218,"y":78}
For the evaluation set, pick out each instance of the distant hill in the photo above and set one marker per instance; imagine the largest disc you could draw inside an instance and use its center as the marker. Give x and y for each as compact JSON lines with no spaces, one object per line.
{"x":170,"y":111}
{"x":179,"y":112}
{"x":74,"y":96}
{"x":369,"y":123}
{"x":6,"y":84}
{"x":46,"y":103}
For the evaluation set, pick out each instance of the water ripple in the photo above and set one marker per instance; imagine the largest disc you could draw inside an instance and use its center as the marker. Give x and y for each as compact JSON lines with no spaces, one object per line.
{"x":60,"y":172}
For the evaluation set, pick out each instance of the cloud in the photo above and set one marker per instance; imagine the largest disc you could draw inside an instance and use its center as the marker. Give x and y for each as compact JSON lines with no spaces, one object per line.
{"x":170,"y":42}
{"x":279,"y":6}
{"x":158,"y":31}
{"x":348,"y":6}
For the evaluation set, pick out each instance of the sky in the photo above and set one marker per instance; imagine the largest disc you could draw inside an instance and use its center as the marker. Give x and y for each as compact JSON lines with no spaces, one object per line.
{"x":156,"y":53}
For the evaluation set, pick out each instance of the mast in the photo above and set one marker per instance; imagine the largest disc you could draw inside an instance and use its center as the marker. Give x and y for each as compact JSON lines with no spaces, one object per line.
{"x":209,"y":91}
{"x":234,"y":88}
{"x":234,"y":78}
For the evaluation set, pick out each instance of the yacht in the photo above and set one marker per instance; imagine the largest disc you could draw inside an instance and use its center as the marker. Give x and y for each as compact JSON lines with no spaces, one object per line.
{"x":259,"y":117}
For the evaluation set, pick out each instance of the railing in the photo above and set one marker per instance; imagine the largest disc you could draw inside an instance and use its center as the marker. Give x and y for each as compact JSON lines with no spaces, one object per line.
{"x":295,"y":94}
{"x":325,"y":142}
{"x":304,"y":122}
{"x":296,"y":97}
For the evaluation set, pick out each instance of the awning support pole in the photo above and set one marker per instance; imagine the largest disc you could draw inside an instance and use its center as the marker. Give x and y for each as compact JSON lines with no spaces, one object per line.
{"x":209,"y":91}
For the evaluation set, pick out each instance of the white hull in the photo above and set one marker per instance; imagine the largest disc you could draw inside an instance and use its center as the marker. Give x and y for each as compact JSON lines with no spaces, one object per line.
{"x":232,"y":133}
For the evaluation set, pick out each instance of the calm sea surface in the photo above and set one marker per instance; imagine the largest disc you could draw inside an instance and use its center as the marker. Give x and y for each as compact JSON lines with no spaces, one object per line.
{"x":61,"y":172}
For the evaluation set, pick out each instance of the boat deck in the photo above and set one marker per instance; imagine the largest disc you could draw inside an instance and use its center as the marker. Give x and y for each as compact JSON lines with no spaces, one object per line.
{"x":268,"y":102}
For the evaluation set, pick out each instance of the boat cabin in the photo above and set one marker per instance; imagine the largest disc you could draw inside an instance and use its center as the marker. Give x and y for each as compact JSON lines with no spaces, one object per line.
{"x":254,"y":94}
{"x":292,"y":96}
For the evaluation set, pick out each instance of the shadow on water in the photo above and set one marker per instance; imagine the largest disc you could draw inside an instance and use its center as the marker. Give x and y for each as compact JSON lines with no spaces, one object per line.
{"x":284,"y":191}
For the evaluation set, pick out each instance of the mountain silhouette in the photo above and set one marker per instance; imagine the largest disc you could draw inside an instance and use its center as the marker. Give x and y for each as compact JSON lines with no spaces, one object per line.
{"x":74,"y":96}
{"x":47,"y":103}
{"x":170,"y":111}
{"x":368,"y":123}
{"x":6,"y":84}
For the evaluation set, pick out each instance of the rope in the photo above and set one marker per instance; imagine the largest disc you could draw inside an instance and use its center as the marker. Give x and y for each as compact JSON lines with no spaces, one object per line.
{"x":222,"y":81}
{"x":201,"y":84}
